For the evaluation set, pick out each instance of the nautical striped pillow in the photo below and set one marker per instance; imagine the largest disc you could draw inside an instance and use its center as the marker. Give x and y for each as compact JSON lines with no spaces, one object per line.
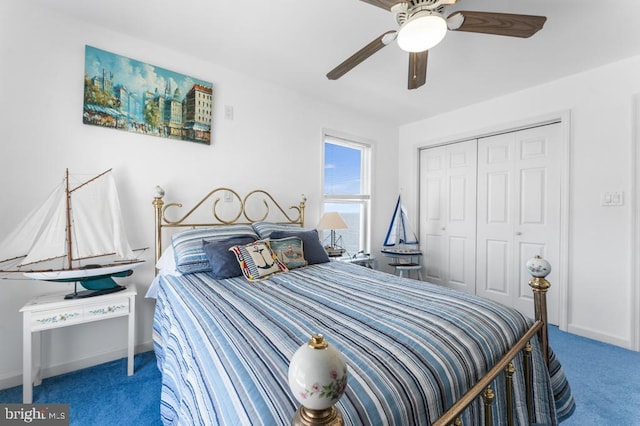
{"x":189,"y":252}
{"x":257,"y":261}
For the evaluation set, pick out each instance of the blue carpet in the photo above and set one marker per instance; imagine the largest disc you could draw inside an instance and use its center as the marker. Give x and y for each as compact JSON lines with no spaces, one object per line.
{"x":103,"y":394}
{"x":605,"y":381}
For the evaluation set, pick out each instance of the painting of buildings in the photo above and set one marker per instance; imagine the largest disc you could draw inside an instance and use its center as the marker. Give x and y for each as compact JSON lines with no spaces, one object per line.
{"x":126,"y":94}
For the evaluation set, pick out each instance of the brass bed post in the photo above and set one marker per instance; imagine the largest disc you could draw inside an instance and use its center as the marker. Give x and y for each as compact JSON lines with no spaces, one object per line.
{"x":487,"y":397}
{"x":509,"y":371}
{"x":527,"y":379}
{"x":158,"y":203}
{"x":539,"y":269}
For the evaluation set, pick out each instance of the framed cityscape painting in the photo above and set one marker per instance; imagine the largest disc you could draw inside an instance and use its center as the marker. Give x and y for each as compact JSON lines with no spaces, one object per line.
{"x":125,"y":94}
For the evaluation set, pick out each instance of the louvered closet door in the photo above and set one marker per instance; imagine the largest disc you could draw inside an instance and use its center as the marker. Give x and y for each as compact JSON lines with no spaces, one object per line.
{"x":518,"y":213}
{"x":448,"y":214}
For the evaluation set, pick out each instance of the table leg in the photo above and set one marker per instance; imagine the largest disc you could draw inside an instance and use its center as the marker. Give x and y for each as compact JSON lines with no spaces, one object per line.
{"x":36,"y":357}
{"x":131,"y":334}
{"x":27,"y":390}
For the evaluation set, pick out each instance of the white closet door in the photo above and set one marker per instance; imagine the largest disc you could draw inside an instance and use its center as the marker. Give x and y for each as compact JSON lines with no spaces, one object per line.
{"x":518,"y":213}
{"x":448,"y":214}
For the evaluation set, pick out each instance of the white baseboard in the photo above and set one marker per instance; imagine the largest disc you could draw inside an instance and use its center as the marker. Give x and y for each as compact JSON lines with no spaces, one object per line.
{"x":15,"y":379}
{"x":601,"y":337}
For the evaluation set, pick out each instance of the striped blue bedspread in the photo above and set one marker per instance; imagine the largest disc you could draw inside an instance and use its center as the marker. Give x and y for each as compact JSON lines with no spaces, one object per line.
{"x":412,"y":348}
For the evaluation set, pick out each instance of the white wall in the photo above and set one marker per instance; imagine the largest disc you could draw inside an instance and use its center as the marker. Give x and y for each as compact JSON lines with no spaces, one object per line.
{"x":602,"y":294}
{"x":274,"y":142}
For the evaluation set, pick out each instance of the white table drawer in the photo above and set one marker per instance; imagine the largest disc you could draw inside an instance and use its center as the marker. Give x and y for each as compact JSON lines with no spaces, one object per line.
{"x":55,"y":318}
{"x":119,"y":307}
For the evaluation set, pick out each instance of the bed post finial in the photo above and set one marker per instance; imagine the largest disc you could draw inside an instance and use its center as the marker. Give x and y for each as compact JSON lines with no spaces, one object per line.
{"x":539,"y":268}
{"x":302,"y":205}
{"x":317,"y":378}
{"x":158,"y":203}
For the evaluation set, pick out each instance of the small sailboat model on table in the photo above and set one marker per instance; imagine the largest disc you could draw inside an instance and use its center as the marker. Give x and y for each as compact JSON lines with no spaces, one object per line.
{"x":77,"y":235}
{"x":401,"y":243}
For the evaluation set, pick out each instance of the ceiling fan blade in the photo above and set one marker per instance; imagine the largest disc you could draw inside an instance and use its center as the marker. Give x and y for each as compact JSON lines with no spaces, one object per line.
{"x":417,"y":69}
{"x":362,"y":54}
{"x":505,"y":24}
{"x":385,"y":4}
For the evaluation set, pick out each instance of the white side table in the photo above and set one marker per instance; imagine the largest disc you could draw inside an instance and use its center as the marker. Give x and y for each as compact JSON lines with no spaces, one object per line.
{"x":368,"y":261}
{"x":53,"y":311}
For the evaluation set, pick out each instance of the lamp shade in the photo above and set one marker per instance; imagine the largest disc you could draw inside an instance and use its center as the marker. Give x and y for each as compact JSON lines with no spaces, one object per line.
{"x":332,"y":220}
{"x":422,"y":31}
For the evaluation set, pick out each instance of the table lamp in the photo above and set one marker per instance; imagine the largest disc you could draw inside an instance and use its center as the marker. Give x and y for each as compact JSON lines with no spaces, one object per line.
{"x":332,"y":221}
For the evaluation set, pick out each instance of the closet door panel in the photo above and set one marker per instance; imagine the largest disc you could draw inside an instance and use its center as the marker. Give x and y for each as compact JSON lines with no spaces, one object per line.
{"x":458,"y":260}
{"x":495,"y":218}
{"x":432,"y":253}
{"x":432,"y":210}
{"x":537,"y":230}
{"x":496,"y":277}
{"x":533,"y":196}
{"x":518,"y":204}
{"x":447,"y":211}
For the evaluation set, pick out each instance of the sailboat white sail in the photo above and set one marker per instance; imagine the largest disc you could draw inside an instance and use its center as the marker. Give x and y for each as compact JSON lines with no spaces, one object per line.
{"x":76,"y":235}
{"x":400,"y":238}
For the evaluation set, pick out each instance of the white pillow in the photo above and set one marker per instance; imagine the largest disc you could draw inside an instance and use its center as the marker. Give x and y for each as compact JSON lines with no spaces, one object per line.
{"x":166,"y":265}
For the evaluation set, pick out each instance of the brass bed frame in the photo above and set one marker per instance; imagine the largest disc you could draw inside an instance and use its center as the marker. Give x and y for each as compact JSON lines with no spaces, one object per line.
{"x":268,"y":205}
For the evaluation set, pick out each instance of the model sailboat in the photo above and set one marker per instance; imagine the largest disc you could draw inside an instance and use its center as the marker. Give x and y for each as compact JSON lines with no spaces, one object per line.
{"x":400,"y":239}
{"x":77,"y":235}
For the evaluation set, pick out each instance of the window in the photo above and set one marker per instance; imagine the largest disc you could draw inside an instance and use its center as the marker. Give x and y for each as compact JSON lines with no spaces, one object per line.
{"x":347,"y":189}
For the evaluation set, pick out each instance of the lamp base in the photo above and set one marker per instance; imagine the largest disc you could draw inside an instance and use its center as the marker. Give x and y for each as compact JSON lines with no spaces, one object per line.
{"x":308,"y":417}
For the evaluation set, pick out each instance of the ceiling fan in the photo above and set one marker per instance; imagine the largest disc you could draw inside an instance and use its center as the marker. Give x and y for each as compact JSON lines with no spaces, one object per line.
{"x":422,"y":25}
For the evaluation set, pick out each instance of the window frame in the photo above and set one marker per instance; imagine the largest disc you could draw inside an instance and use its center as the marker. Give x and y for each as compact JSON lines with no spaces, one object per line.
{"x":363,"y":198}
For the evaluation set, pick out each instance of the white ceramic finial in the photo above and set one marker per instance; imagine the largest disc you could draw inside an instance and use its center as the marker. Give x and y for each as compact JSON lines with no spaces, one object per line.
{"x":317,"y":374}
{"x":159,"y":192}
{"x":538,"y":267}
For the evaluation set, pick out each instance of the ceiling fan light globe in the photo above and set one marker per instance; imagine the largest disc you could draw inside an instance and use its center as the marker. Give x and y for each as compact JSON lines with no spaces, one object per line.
{"x":422,"y":31}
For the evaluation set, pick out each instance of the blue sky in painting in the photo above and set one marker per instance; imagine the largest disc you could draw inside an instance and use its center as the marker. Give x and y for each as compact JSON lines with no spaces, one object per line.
{"x":138,"y":77}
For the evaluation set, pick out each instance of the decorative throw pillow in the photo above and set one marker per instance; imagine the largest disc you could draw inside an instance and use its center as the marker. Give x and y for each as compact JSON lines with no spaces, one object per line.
{"x":187,"y":245}
{"x":313,"y":250}
{"x":223,"y":262}
{"x":289,"y":251}
{"x":257,"y":261}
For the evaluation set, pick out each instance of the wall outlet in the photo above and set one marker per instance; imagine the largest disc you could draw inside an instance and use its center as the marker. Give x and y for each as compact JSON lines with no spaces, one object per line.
{"x":613,"y":198}
{"x":228,"y":112}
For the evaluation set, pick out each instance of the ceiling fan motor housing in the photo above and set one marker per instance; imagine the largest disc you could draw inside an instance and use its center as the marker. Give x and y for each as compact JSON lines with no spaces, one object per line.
{"x":422,"y":25}
{"x":405,"y":10}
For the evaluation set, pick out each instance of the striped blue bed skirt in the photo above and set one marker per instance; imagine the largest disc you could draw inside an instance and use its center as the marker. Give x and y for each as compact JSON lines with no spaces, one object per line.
{"x":412,"y":348}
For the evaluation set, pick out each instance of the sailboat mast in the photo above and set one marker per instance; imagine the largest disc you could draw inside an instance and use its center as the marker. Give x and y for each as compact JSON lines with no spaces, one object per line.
{"x":68,"y":198}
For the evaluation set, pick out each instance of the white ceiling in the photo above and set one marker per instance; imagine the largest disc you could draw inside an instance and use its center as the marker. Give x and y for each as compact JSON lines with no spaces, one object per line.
{"x":294,"y":43}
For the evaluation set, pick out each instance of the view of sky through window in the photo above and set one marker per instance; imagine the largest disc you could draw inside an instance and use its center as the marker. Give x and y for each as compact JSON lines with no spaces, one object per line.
{"x":342,"y":169}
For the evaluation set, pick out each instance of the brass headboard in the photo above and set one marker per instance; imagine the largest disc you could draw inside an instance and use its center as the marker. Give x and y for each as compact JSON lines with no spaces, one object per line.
{"x":241,"y":214}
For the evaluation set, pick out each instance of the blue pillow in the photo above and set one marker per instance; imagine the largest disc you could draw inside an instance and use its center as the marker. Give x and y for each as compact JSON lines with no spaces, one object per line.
{"x":223,"y":262}
{"x":313,"y":250}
